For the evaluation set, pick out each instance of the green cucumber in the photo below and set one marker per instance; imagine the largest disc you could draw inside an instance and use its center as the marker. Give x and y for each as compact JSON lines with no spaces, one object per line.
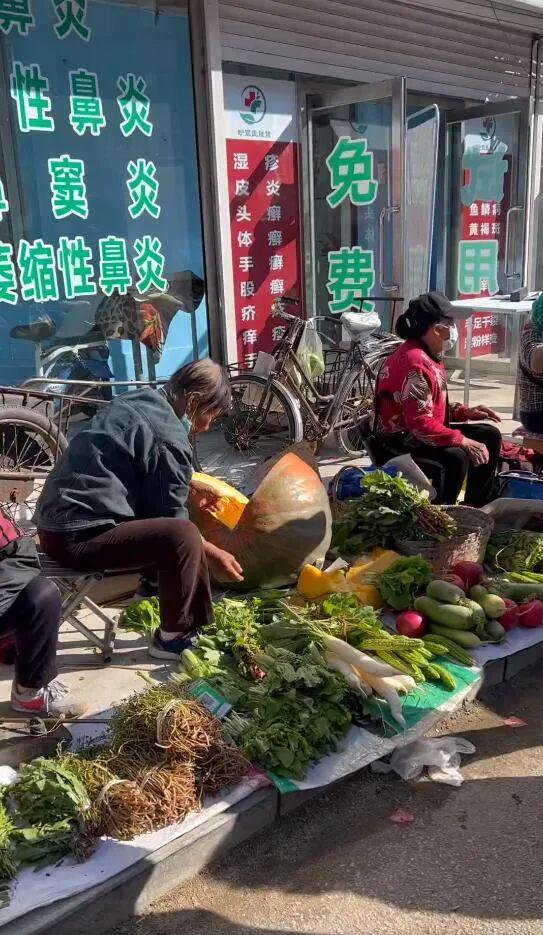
{"x":448,"y":615}
{"x":463,"y":638}
{"x":477,"y":592}
{"x":476,"y":609}
{"x":495,"y":631}
{"x":445,"y":592}
{"x":517,"y":591}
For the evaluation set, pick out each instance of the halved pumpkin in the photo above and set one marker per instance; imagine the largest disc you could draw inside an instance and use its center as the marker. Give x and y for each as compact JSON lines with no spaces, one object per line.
{"x":285,"y":525}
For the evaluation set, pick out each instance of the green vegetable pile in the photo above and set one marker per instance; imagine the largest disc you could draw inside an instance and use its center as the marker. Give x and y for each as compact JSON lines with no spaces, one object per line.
{"x":520,"y":551}
{"x":49,"y":805}
{"x":8,"y":864}
{"x":391,"y":510}
{"x":141,"y":616}
{"x":266,"y":658}
{"x":297,"y":712}
{"x":406,"y":578}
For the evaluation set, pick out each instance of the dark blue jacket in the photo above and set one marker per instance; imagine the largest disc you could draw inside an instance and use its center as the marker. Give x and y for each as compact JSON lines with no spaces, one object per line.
{"x":133,"y":462}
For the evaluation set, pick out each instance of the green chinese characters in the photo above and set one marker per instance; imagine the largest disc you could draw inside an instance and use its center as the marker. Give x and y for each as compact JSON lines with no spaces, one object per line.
{"x":86,"y":112}
{"x":350,"y":275}
{"x":351,"y":173}
{"x":68,"y":187}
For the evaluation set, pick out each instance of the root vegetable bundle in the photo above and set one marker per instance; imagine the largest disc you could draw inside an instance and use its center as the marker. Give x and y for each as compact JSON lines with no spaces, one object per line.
{"x":163,"y":753}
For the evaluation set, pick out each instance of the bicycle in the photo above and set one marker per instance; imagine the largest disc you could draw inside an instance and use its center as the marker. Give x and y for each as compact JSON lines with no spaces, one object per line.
{"x":274,"y":409}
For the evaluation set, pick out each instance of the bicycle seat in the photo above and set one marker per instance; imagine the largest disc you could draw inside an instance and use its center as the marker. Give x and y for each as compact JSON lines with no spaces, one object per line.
{"x":360,"y":323}
{"x":37,"y":331}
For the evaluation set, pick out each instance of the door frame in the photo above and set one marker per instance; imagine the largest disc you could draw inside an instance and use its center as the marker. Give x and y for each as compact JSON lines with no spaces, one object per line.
{"x":313,"y":100}
{"x":521,"y":106}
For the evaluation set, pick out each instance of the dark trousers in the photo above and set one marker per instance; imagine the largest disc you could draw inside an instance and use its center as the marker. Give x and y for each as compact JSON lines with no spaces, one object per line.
{"x":532,"y":421}
{"x":34,"y":619}
{"x":173,"y":546}
{"x":447,"y":468}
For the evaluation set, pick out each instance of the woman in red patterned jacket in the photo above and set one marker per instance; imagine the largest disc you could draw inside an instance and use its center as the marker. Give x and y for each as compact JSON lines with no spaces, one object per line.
{"x":413,"y":411}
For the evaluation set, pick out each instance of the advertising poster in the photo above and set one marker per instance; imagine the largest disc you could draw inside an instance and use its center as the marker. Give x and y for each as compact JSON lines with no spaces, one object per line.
{"x":262,"y":160}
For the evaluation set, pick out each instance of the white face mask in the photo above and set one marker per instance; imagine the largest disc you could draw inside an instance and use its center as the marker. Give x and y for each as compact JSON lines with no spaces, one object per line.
{"x":452,"y":339}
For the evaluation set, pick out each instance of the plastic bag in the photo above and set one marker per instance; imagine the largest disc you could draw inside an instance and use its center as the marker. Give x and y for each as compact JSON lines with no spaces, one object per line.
{"x":310,"y":354}
{"x":412,"y":473}
{"x":441,"y":755}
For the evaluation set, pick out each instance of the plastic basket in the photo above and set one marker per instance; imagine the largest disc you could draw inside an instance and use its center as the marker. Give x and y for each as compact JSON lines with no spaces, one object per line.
{"x":467,"y":545}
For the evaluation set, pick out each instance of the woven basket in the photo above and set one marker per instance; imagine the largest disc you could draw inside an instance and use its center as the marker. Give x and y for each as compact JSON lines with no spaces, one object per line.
{"x":467,"y":545}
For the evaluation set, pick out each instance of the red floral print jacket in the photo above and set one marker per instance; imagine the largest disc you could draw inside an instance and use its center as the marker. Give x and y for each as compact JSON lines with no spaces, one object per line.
{"x":412,"y":397}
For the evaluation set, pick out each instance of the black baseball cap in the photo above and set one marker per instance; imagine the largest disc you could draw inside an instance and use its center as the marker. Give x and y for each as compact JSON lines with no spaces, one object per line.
{"x":433,"y":307}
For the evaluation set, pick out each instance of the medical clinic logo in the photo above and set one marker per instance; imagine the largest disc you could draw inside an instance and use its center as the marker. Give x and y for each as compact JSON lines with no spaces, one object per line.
{"x":254,"y":104}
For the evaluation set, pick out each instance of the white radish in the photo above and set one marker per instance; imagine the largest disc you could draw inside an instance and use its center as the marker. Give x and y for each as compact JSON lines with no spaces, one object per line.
{"x":402,"y":683}
{"x":355,"y":658}
{"x":386,"y":691}
{"x":351,"y":677}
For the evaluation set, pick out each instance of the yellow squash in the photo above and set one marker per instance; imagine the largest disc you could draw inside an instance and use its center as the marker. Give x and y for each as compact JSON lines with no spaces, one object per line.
{"x":364,"y":574}
{"x":223,"y":502}
{"x":313,"y":583}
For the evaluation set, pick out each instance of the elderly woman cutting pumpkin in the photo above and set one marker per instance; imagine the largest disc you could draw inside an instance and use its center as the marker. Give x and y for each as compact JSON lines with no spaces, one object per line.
{"x":117,"y":499}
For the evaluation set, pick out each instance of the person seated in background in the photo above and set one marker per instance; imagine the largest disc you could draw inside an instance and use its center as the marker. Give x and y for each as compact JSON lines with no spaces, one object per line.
{"x":30,"y":609}
{"x":117,"y":499}
{"x":530,"y":371}
{"x":413,"y":415}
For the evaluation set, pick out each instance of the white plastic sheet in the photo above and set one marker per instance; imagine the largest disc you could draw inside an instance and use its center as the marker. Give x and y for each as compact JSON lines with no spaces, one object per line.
{"x":360,"y":747}
{"x":33,"y":890}
{"x":518,"y":639}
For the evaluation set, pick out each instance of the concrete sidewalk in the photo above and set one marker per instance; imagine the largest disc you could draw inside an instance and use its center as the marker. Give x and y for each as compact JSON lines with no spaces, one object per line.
{"x":469,"y":864}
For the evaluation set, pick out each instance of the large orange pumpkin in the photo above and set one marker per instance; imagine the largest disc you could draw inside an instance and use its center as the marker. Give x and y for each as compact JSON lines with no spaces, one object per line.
{"x":285,"y":524}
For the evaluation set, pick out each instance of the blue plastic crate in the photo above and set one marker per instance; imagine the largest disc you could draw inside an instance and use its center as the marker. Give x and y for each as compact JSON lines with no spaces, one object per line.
{"x":349,"y":482}
{"x":521,"y":485}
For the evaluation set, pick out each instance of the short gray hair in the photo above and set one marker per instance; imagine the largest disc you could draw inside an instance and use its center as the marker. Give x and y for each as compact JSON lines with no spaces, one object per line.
{"x":206,"y":383}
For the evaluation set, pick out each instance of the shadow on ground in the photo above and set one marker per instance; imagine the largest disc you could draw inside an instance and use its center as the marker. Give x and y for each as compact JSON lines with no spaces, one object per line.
{"x":470,"y":862}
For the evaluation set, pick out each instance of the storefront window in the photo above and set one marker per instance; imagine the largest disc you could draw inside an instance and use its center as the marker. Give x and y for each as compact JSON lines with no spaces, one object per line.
{"x":100,"y":230}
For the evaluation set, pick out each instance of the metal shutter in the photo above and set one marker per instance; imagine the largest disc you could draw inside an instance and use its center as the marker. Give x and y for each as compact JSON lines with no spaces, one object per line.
{"x":368,"y":40}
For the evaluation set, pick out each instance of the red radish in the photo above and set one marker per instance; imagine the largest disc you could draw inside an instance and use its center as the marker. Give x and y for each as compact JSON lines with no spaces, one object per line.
{"x":530,"y":614}
{"x":509,"y":619}
{"x":470,"y":573}
{"x":454,"y":579}
{"x":409,"y":623}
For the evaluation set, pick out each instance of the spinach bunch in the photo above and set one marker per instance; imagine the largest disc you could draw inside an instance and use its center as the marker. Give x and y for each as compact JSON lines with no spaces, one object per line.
{"x":403,"y":581}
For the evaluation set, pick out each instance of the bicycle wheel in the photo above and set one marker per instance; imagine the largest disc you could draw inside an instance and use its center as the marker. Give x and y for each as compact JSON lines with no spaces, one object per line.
{"x":353,"y":414}
{"x":30,"y":445}
{"x":261,"y":422}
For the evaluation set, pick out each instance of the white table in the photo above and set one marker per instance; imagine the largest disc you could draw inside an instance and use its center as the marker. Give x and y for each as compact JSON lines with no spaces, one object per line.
{"x":490,"y":304}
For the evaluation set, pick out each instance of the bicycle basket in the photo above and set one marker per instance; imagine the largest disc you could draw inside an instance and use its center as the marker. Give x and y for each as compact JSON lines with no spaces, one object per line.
{"x":334,"y":366}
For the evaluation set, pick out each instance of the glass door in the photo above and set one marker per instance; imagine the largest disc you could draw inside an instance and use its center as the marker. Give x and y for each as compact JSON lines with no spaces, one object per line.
{"x":487,"y":168}
{"x":353,"y":141}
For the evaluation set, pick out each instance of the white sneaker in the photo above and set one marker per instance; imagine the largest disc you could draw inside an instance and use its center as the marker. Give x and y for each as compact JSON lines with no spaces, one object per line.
{"x":54,"y":700}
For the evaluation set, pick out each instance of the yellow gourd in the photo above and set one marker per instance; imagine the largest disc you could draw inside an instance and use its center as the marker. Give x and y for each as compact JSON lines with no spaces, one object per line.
{"x":226,"y":504}
{"x":362,"y":574}
{"x":313,"y":583}
{"x":369,"y":596}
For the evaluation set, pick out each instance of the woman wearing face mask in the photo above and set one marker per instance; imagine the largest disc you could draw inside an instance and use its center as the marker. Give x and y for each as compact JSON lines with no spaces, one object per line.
{"x":117,"y":499}
{"x":414,"y":415}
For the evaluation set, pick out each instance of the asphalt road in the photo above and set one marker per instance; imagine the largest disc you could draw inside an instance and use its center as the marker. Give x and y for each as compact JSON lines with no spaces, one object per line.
{"x":470,"y":862}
